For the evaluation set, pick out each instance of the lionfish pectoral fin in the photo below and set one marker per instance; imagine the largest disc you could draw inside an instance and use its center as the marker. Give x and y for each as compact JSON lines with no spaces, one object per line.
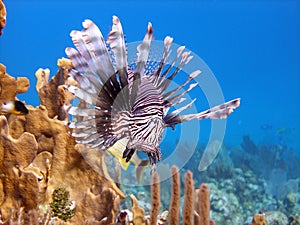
{"x":128,"y":153}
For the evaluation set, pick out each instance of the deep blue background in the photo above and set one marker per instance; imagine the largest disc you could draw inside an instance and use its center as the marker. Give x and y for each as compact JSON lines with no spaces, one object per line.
{"x":252,"y":47}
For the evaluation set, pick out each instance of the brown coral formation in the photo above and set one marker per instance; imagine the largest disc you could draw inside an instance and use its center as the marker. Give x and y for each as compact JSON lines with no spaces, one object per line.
{"x":2,"y":16}
{"x":54,"y":88}
{"x":204,"y":207}
{"x":191,"y":207}
{"x":155,"y":199}
{"x":188,"y":206}
{"x":174,"y":213}
{"x":10,"y":86}
{"x":37,"y":155}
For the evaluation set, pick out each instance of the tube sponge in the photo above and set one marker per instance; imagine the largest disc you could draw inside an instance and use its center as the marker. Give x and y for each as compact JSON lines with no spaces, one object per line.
{"x":174,"y":212}
{"x":155,"y":198}
{"x":188,"y":207}
{"x":204,"y":205}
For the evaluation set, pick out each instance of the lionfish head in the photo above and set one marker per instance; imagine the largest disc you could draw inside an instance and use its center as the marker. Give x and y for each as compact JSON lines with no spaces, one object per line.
{"x":121,"y":99}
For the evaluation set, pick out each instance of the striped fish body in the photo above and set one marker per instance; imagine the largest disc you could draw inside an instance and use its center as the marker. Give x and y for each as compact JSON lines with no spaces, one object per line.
{"x":120,"y":100}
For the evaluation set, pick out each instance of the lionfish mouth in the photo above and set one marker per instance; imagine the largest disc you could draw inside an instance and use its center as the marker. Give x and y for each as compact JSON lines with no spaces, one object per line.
{"x":134,"y":93}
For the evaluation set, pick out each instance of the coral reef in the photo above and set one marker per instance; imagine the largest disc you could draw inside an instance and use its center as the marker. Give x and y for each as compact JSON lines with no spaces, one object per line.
{"x":37,"y":155}
{"x":46,"y":178}
{"x":2,"y":16}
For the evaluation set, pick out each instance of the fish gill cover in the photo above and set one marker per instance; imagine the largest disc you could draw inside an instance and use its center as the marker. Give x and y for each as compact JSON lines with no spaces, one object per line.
{"x":126,"y":93}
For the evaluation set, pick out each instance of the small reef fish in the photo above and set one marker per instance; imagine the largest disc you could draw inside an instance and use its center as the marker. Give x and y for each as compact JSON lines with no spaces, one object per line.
{"x":124,"y":99}
{"x":117,"y":151}
{"x":13,"y":107}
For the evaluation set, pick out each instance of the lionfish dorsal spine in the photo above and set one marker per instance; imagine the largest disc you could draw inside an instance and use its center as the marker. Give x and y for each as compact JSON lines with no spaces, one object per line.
{"x":143,"y":51}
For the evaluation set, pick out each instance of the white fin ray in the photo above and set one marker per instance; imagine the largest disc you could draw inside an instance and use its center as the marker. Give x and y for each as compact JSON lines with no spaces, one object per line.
{"x":117,"y":44}
{"x":143,"y":51}
{"x":173,"y":99}
{"x":96,"y":44}
{"x":177,"y":111}
{"x":218,"y":112}
{"x":77,"y":111}
{"x":82,"y":94}
{"x":192,"y":76}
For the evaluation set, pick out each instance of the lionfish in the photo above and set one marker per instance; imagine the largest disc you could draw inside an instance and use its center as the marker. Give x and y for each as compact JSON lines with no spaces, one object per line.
{"x":121,"y":100}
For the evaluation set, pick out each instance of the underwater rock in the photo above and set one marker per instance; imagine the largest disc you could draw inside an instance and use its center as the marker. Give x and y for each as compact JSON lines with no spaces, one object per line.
{"x":2,"y":16}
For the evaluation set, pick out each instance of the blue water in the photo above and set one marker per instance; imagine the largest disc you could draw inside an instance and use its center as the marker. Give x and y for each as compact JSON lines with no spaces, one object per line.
{"x":252,"y":47}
